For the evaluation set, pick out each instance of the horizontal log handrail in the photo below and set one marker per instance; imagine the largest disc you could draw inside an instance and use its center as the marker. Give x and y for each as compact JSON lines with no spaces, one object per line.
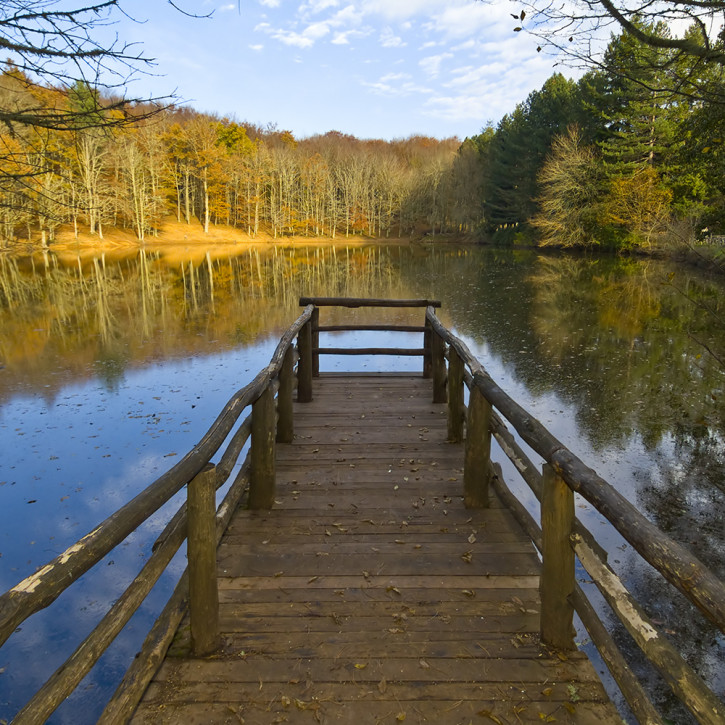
{"x":139,"y":674}
{"x":680,"y":567}
{"x":371,"y":328}
{"x":402,"y":351}
{"x":556,"y":626}
{"x":44,"y":586}
{"x":364,"y":302}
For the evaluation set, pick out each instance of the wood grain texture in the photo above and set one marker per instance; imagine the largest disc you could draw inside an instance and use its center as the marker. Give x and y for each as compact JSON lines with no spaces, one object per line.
{"x":369,"y":593}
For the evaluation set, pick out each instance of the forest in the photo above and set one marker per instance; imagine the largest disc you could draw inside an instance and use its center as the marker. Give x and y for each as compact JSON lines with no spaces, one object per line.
{"x":630,"y":156}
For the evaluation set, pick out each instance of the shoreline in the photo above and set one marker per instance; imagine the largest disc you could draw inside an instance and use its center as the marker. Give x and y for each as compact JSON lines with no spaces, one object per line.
{"x":180,"y":240}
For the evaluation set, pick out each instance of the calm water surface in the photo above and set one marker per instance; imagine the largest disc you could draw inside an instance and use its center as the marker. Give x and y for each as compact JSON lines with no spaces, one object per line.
{"x":114,"y":366}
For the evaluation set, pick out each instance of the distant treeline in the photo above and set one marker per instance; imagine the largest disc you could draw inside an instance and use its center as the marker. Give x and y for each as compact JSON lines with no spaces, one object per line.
{"x":629,"y":156}
{"x":206,"y":171}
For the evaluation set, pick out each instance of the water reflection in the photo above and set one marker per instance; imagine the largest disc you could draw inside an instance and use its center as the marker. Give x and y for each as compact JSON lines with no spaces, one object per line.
{"x":116,"y":363}
{"x":99,"y":316}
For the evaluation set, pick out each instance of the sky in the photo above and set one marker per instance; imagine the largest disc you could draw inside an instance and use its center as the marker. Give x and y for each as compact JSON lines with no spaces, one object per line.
{"x":371,"y":68}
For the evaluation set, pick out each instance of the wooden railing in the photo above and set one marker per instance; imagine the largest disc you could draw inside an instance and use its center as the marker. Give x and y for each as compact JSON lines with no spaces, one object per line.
{"x":270,"y":421}
{"x":560,"y":537}
{"x":449,"y":363}
{"x":356,"y":302}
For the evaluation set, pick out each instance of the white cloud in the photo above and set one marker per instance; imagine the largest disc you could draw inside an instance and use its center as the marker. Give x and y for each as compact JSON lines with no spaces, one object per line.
{"x":227,"y":8}
{"x":306,"y":39}
{"x":466,"y":20}
{"x":466,"y":45}
{"x":317,"y":6}
{"x":342,"y":24}
{"x":270,"y":3}
{"x":396,"y":84}
{"x":431,"y":65}
{"x":349,"y":15}
{"x":256,"y":47}
{"x":400,"y":9}
{"x":489,"y":90}
{"x":395,"y":77}
{"x":388,"y":39}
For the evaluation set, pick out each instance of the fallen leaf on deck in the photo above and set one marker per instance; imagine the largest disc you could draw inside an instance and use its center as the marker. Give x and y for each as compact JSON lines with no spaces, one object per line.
{"x":490,"y":716}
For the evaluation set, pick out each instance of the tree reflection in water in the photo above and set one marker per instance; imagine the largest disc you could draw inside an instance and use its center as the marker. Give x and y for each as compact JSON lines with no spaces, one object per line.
{"x":136,"y":351}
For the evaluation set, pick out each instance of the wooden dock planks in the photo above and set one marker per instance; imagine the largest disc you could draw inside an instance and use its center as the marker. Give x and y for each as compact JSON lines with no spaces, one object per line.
{"x":369,"y":594}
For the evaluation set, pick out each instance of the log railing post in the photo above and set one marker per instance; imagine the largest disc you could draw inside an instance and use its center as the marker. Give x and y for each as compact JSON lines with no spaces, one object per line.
{"x":427,"y":353}
{"x":304,"y":366}
{"x":557,"y":568}
{"x":262,"y":474}
{"x":455,"y":397}
{"x":438,"y":359}
{"x":285,"y":417}
{"x":315,"y":334}
{"x":477,"y":456}
{"x":201,"y":552}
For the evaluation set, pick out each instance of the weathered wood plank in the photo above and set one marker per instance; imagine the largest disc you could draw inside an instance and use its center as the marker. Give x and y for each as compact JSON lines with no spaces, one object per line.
{"x":252,"y":669}
{"x":287,"y":707}
{"x":370,"y":591}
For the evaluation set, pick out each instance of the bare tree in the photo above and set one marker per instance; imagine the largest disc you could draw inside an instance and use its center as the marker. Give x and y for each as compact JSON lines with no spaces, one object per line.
{"x":51,"y":43}
{"x":690,"y":36}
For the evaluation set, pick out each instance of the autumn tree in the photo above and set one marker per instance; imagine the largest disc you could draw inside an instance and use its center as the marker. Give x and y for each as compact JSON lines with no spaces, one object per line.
{"x":571,"y":183}
{"x":640,"y":205}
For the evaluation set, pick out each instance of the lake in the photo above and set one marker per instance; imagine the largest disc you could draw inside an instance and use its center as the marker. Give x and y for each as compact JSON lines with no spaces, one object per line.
{"x":113,"y":365}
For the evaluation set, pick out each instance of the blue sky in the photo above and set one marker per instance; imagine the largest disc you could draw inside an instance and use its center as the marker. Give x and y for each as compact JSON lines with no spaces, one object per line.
{"x":371,"y":68}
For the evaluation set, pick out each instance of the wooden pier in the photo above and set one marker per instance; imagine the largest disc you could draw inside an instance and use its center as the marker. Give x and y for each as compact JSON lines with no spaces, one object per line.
{"x":369,"y":594}
{"x":368,"y":564}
